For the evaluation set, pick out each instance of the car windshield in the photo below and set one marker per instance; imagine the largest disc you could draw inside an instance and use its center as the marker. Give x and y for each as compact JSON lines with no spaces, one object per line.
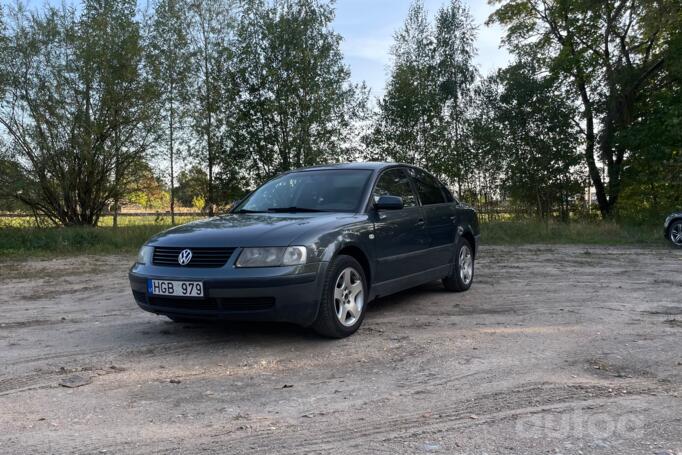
{"x":336,"y":190}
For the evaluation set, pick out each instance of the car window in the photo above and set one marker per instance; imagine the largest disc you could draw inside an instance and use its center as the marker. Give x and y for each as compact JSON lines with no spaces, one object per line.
{"x":324,"y":190}
{"x":394,"y":182}
{"x":429,"y":189}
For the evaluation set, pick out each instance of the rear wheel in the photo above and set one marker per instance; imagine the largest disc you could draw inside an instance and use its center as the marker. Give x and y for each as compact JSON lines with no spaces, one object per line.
{"x":675,"y":233}
{"x":462,"y":274}
{"x":344,"y":299}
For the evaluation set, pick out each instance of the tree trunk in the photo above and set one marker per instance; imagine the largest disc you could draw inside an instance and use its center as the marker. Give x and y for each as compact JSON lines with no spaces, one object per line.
{"x":590,"y":143}
{"x":172,"y":170}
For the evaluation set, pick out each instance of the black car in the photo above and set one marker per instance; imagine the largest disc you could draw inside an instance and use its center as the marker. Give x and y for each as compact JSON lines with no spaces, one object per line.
{"x":672,"y":229}
{"x":312,"y":246}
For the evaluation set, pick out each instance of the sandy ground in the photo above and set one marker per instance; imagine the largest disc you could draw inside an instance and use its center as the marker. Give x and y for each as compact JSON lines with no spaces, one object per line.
{"x":554,"y":350}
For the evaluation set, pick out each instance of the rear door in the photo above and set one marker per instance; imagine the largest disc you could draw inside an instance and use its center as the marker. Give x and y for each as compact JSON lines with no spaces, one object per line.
{"x":400,"y":235}
{"x":440,"y":213}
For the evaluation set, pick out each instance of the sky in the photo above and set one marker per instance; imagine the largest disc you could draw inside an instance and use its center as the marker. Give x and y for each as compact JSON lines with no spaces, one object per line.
{"x":367,"y":27}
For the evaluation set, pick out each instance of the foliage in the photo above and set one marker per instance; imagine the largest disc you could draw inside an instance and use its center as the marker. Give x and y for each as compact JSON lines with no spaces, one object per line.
{"x":297,"y":103}
{"x":170,"y":59}
{"x":100,"y":102}
{"x":199,"y":202}
{"x":539,"y":147}
{"x":192,"y":184}
{"x":76,"y":109}
{"x":148,"y":191}
{"x":211,"y":33}
{"x":409,"y":127}
{"x":613,"y":56}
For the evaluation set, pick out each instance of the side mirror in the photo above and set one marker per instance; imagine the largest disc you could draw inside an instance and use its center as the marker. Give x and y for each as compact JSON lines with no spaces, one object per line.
{"x":389,"y":203}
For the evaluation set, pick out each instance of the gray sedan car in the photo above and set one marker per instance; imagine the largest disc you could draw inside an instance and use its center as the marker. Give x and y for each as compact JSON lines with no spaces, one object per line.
{"x":313,"y":247}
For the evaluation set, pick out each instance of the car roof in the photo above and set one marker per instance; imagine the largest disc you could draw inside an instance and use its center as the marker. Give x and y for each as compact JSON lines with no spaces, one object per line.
{"x":369,"y":165}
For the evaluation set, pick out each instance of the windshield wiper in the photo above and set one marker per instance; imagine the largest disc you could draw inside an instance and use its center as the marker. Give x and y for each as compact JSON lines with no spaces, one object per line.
{"x":248,"y":211}
{"x":293,"y":210}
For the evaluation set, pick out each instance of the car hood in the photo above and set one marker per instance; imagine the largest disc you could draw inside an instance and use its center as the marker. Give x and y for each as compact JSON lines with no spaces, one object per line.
{"x":245,"y":230}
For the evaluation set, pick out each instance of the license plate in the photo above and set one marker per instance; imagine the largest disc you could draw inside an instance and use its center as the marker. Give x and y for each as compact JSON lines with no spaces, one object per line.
{"x":176,"y":288}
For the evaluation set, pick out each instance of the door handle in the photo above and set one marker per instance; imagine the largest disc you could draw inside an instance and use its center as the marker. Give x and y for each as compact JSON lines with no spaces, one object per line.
{"x":420,"y":222}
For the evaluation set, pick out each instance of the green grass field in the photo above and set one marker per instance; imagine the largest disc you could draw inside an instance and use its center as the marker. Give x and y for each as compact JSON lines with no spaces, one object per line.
{"x":579,"y":233}
{"x":23,"y":242}
{"x":105,"y":221}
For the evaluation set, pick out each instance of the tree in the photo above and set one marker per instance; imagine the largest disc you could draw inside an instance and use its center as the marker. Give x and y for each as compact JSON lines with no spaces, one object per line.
{"x":652,"y":186}
{"x":611,"y":52}
{"x":297,"y":104}
{"x":455,"y":35}
{"x":211,"y":30}
{"x":192,"y":184}
{"x":409,"y":123}
{"x":4,"y":55}
{"x":168,"y":50}
{"x":77,"y":110}
{"x":147,"y":190}
{"x":423,"y":115}
{"x":487,"y":138}
{"x":539,"y":148}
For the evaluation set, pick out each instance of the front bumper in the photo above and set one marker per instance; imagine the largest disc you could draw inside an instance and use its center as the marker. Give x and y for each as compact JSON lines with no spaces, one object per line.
{"x":286,"y":294}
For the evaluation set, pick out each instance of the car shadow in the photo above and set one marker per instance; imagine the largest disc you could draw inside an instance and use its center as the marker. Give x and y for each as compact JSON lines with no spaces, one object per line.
{"x":224,"y":330}
{"x":394,"y":302}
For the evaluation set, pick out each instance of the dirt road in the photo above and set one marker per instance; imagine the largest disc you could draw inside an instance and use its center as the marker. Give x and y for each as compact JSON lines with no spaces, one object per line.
{"x":554,"y":350}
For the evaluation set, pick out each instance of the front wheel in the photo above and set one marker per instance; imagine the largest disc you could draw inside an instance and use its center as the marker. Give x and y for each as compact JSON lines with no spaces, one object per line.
{"x":675,"y":233}
{"x":344,"y":299}
{"x":462,"y":274}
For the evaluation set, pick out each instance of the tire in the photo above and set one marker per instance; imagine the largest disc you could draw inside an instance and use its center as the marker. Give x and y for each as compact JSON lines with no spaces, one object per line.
{"x":675,"y":233}
{"x":462,"y":275}
{"x":344,"y":298}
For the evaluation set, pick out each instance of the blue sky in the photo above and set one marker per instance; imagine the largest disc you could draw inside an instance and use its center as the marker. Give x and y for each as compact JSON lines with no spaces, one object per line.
{"x":367,"y":27}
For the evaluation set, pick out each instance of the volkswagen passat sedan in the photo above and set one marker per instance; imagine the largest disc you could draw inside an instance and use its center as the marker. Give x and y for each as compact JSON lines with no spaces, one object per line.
{"x":312,"y":247}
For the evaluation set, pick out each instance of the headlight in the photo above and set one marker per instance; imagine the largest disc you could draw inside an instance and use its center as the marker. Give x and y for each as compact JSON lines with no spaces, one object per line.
{"x":144,"y":256}
{"x":295,"y":255}
{"x":272,"y":256}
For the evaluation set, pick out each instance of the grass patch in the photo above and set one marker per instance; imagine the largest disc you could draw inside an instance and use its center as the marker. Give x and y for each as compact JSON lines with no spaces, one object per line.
{"x":105,"y":221}
{"x":37,"y":242}
{"x":23,"y":242}
{"x":578,"y":233}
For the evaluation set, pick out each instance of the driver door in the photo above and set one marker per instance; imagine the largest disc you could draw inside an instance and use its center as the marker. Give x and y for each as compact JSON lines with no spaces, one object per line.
{"x":400,"y":235}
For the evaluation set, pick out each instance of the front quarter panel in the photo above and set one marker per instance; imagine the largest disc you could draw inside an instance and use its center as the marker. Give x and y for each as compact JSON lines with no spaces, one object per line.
{"x":326,"y":241}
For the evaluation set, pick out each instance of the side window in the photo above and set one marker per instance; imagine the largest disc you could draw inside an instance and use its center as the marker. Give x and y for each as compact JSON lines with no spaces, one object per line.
{"x":429,"y":189}
{"x":394,"y":182}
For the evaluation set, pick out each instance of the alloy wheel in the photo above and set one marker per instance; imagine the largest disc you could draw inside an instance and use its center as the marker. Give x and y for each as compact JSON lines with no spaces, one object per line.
{"x":349,"y":296}
{"x":466,"y":265}
{"x":676,"y":234}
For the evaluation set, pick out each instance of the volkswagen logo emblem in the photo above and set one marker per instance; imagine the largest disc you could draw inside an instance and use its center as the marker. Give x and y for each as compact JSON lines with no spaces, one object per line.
{"x":184,"y":257}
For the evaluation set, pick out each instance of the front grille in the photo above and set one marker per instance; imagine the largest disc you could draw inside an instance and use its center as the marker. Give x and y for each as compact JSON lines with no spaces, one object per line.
{"x":201,"y":257}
